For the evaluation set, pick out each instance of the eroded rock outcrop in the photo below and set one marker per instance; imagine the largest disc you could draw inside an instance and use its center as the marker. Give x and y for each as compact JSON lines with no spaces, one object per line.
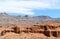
{"x":46,"y":29}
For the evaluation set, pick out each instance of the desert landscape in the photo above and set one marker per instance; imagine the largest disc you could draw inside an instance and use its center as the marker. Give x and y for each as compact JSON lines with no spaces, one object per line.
{"x":29,"y":19}
{"x":26,"y":27}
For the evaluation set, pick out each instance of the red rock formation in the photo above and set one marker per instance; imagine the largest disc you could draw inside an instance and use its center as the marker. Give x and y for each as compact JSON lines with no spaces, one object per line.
{"x":16,"y":29}
{"x":46,"y":29}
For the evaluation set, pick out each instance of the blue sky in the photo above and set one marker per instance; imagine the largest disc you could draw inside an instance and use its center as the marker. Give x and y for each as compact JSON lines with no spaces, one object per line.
{"x":31,"y":7}
{"x":48,"y":12}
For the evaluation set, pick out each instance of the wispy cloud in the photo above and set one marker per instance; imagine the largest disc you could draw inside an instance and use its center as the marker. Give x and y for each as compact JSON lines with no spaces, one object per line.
{"x":26,"y":6}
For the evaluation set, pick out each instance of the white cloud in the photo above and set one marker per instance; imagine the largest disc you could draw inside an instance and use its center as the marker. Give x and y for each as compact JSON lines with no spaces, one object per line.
{"x":26,"y":7}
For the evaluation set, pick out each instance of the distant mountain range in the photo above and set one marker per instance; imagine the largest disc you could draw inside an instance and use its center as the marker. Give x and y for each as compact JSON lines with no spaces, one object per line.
{"x":6,"y":19}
